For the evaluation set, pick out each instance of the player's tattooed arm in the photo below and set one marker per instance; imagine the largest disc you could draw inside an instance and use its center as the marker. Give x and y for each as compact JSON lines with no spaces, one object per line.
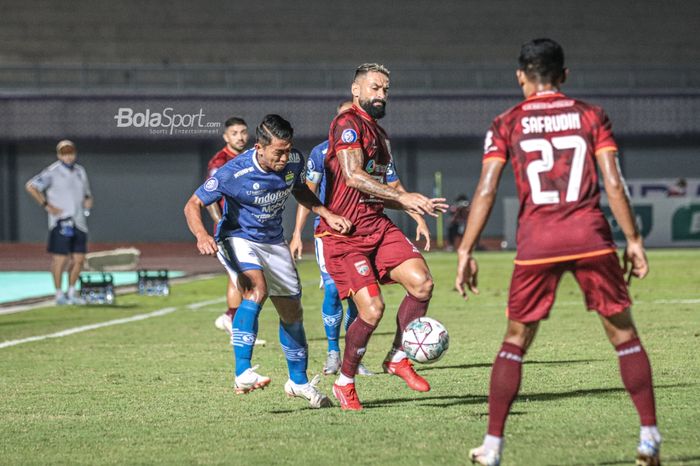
{"x":308,"y":199}
{"x":356,"y":177}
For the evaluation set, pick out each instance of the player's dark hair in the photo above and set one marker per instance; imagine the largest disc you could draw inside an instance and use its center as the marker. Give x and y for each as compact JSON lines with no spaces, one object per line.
{"x":235,"y":121}
{"x":365,"y":68}
{"x":273,"y":126}
{"x":542,"y":60}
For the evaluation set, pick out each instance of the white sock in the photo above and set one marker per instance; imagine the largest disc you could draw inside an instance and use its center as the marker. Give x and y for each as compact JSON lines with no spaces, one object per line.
{"x":398,"y":356}
{"x":650,"y":433}
{"x":491,"y":442}
{"x":59,"y":294}
{"x":344,"y":380}
{"x":71,"y":292}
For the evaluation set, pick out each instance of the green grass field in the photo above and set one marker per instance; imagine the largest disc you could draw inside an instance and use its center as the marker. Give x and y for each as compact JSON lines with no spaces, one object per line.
{"x":159,"y":391}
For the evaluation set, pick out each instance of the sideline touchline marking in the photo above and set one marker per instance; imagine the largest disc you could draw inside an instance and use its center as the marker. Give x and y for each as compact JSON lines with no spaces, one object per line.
{"x":85,"y":328}
{"x":199,"y":305}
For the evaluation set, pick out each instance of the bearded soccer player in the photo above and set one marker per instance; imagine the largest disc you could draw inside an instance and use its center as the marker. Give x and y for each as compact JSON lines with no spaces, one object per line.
{"x":236,"y":138}
{"x":375,"y":251}
{"x":555,"y":145}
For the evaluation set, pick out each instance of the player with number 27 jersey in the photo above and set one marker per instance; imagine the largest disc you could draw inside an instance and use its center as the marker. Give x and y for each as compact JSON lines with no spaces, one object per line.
{"x":551,"y":141}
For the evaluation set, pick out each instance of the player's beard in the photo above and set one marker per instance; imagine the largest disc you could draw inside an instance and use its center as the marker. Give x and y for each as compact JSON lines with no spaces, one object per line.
{"x":375,"y":112}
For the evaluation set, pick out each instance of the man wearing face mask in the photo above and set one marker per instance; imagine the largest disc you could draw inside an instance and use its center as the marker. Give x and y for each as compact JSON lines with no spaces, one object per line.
{"x":63,"y":190}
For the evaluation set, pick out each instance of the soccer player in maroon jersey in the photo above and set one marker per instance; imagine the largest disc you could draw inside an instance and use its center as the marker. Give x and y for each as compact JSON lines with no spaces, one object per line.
{"x":375,"y":251}
{"x":554,"y":144}
{"x":236,"y":137}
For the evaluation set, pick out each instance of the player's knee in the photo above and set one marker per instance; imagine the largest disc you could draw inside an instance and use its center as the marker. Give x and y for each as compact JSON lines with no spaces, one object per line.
{"x":423,"y":290}
{"x":257,"y":294}
{"x":375,"y":310}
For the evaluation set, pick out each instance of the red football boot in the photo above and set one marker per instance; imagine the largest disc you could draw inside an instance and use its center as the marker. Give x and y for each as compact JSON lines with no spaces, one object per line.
{"x":347,"y":396}
{"x":404,"y":369}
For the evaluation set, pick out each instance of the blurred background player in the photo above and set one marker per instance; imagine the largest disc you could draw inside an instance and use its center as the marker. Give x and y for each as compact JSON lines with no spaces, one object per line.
{"x":236,"y":138}
{"x":554,"y":144}
{"x":459,"y":212}
{"x":375,"y":250}
{"x":256,"y":186}
{"x":332,"y":309}
{"x":63,"y":190}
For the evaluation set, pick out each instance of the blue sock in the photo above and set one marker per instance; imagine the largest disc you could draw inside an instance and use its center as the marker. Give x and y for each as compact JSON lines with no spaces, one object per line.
{"x":293,"y":340}
{"x":245,"y":330}
{"x":332,"y":312}
{"x":350,"y":314}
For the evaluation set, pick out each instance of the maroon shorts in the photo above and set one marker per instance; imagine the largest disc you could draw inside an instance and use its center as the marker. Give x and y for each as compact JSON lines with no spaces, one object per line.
{"x":601,"y":279}
{"x":355,"y":262}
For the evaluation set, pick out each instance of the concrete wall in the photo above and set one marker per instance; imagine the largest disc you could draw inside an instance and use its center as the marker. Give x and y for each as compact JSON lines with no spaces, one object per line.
{"x":317,"y":31}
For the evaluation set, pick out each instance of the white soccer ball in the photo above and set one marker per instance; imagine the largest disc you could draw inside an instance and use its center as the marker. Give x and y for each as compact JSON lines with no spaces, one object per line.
{"x":425,"y":340}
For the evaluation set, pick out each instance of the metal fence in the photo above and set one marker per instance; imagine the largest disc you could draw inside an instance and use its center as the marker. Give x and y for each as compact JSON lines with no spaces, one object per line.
{"x":307,"y":77}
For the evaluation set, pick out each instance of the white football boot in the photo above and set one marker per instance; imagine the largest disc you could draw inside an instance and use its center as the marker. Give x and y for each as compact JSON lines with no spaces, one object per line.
{"x":309,"y":392}
{"x":332,"y":365}
{"x":250,"y":380}
{"x":485,"y":457}
{"x":648,"y":452}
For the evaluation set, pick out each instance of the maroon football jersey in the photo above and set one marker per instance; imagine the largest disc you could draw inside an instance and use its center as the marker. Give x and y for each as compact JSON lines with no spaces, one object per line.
{"x":354,"y":128}
{"x":551,"y":141}
{"x":219,"y":160}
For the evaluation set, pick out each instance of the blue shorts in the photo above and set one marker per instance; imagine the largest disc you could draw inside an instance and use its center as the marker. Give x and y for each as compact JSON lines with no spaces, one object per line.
{"x":321,"y":261}
{"x":64,"y":245}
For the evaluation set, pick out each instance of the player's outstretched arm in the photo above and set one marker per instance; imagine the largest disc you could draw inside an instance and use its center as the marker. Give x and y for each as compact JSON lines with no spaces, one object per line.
{"x":484,"y":198}
{"x":421,"y":227}
{"x":193,"y":214}
{"x":309,"y":200}
{"x":295,"y":245}
{"x":635,"y":258}
{"x":356,"y":177}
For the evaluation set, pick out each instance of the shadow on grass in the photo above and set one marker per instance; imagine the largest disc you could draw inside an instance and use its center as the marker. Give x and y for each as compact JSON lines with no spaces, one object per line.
{"x":342,"y":338}
{"x":446,"y":401}
{"x":665,"y":460}
{"x":488,"y":364}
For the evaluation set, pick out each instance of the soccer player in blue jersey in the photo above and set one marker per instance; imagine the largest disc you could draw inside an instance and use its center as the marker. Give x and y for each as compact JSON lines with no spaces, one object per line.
{"x":255,"y":186}
{"x":332,"y":308}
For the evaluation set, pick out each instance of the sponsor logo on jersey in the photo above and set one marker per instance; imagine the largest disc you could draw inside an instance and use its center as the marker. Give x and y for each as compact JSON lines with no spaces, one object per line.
{"x":289,"y":178}
{"x":240,"y":173}
{"x":211,"y":184}
{"x":370,"y":166}
{"x":362,"y":267}
{"x":256,"y":186}
{"x":348,"y":136}
{"x":294,"y":157}
{"x":272,"y":197}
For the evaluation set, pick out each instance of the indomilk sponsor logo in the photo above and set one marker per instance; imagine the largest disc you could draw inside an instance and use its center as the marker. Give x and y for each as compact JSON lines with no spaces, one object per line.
{"x":551,"y":123}
{"x":269,"y":198}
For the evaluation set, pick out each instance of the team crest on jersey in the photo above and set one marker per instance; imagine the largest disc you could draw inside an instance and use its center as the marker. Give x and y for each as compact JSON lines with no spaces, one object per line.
{"x":362,"y":268}
{"x":211,"y":184}
{"x":289,"y":178}
{"x":348,"y":136}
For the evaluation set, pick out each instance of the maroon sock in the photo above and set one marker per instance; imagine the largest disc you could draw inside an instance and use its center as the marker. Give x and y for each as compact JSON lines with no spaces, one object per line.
{"x":231,"y":312}
{"x":636,"y":375}
{"x":356,"y":338}
{"x":411,"y":308}
{"x":506,"y":374}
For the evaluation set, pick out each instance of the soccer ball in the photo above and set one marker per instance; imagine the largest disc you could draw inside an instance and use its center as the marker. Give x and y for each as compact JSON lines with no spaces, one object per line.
{"x":425,"y":340}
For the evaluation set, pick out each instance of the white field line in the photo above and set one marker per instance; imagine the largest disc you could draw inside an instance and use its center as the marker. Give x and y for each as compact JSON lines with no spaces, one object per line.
{"x":195,"y":306}
{"x":85,"y":328}
{"x":120,"y":291}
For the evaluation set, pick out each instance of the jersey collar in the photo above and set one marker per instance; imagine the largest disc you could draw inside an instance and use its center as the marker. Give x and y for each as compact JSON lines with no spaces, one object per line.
{"x":363,"y":114}
{"x":545,"y":94}
{"x":256,"y":164}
